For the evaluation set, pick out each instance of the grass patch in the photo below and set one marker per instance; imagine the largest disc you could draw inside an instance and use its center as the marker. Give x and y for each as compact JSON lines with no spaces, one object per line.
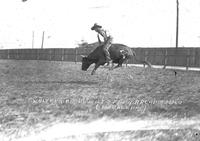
{"x":35,"y":93}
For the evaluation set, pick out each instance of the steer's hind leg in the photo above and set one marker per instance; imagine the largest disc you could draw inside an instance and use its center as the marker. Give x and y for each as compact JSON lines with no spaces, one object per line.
{"x":119,"y":65}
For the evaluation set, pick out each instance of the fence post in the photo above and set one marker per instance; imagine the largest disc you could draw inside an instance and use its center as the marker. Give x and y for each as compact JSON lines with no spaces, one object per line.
{"x":75,"y":55}
{"x":176,"y":56}
{"x":63,"y":54}
{"x":50,"y":55}
{"x":154,"y":57}
{"x":145,"y":56}
{"x":188,"y":59}
{"x":165,"y":59}
{"x":8,"y":55}
{"x":17,"y":54}
{"x":38,"y":54}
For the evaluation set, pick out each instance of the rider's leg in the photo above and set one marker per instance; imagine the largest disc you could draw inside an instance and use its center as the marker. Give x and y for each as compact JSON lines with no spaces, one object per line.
{"x":107,"y":54}
{"x":106,"y":47}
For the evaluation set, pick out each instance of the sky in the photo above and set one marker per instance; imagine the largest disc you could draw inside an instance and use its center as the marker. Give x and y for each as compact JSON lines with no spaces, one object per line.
{"x":136,"y":23}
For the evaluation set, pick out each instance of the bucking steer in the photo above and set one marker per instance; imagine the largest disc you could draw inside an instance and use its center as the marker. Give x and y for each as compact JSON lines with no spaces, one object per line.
{"x":119,"y":53}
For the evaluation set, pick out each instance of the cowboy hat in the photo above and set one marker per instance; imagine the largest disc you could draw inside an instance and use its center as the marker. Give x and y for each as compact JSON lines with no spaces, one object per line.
{"x":95,"y":26}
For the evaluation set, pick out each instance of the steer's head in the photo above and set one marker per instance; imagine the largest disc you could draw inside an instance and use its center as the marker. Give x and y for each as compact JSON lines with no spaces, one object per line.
{"x":86,"y":62}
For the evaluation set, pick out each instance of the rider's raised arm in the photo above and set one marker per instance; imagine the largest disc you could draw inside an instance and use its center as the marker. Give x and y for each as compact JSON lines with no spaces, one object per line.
{"x":99,"y":40}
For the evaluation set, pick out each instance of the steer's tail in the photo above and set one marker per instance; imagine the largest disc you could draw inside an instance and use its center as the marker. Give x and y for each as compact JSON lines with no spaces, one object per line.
{"x":140,"y":61}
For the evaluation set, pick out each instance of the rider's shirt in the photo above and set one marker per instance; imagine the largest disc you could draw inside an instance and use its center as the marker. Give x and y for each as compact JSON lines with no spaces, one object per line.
{"x":103,"y":33}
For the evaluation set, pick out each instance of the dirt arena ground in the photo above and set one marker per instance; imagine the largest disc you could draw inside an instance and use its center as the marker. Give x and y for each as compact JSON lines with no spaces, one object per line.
{"x":38,"y":95}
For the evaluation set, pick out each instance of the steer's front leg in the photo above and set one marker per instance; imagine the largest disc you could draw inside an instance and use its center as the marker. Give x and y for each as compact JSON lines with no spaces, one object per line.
{"x":95,"y":68}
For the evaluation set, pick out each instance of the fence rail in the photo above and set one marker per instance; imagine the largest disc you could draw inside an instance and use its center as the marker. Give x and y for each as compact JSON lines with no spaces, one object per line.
{"x":185,"y":57}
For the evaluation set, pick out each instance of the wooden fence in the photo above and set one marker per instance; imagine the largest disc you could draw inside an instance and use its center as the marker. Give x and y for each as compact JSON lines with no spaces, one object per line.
{"x":185,"y":57}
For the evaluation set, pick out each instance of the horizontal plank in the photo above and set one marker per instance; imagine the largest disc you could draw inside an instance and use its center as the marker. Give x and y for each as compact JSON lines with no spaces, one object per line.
{"x":157,"y":56}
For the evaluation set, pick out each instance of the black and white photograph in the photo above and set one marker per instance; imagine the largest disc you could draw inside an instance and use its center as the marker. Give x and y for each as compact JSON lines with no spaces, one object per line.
{"x":99,"y":70}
